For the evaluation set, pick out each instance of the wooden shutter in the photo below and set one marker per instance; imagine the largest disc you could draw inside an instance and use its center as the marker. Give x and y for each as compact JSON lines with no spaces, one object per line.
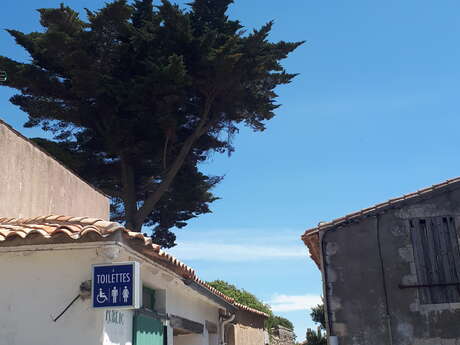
{"x":147,"y":330}
{"x":437,"y":259}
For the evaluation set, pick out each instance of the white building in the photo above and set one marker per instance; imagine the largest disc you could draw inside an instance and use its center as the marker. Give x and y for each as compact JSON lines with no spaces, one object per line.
{"x":44,"y":261}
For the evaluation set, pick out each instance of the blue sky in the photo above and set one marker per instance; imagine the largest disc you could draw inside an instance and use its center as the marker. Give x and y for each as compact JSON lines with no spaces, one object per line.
{"x":373,"y":115}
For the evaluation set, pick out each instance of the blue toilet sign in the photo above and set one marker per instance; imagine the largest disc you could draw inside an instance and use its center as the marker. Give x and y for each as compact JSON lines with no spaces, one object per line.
{"x":116,"y":286}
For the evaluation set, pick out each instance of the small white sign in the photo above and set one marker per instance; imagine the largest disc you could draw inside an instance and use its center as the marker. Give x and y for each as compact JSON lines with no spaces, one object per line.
{"x":118,"y":327}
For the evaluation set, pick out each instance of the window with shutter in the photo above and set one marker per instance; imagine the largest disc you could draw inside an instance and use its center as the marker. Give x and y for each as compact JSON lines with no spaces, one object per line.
{"x":437,"y":259}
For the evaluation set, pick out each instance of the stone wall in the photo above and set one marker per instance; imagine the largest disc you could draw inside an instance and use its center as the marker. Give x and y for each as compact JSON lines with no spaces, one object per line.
{"x":244,"y":335}
{"x":282,"y":336}
{"x":33,"y":184}
{"x":366,"y":304}
{"x":247,"y":329}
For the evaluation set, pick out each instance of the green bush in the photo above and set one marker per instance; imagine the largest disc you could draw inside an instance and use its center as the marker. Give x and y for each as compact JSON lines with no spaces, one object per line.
{"x":248,"y":299}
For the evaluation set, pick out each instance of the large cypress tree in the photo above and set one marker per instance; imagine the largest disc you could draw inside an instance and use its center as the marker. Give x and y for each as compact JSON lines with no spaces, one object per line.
{"x":138,"y":96}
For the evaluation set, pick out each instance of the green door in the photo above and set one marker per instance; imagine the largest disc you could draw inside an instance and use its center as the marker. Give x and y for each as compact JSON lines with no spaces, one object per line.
{"x":147,"y":330}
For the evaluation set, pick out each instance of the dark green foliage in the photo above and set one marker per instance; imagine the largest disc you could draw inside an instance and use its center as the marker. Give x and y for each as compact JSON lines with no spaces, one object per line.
{"x":318,"y":316}
{"x":318,"y":337}
{"x":240,"y":296}
{"x":274,"y":321}
{"x":248,"y":299}
{"x":138,"y":96}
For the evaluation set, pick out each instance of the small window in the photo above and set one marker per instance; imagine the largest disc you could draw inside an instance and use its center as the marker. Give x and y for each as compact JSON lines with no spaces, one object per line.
{"x":437,"y":259}
{"x":148,"y":298}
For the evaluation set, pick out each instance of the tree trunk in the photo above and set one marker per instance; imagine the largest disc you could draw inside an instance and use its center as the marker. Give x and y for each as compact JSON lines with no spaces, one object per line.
{"x":152,"y":200}
{"x":129,"y":194}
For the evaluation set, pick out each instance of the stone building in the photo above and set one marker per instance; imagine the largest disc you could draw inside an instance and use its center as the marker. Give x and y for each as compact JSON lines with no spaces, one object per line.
{"x":282,"y":336}
{"x":248,"y":328}
{"x":391,"y":271}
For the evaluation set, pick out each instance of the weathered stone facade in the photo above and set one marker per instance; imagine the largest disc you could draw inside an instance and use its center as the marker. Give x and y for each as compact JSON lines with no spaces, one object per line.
{"x":247,"y":329}
{"x":373,"y":271}
{"x":282,"y":336}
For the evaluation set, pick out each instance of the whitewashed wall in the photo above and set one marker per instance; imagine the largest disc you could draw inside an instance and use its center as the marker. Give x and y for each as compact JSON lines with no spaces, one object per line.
{"x":118,"y":327}
{"x":37,"y":286}
{"x":182,"y":301}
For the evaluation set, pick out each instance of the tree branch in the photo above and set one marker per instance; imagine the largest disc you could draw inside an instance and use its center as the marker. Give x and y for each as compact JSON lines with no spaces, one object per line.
{"x":165,"y":151}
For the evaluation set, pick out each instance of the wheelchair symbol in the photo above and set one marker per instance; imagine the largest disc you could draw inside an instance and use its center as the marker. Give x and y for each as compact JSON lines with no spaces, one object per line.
{"x":101,"y":297}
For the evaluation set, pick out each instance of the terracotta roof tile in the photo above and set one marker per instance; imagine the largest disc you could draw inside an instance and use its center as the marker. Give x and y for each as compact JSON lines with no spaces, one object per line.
{"x":78,"y":228}
{"x":311,"y":236}
{"x":243,"y":307}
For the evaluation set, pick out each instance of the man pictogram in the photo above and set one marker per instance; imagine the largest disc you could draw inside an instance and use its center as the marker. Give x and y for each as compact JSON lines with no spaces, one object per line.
{"x":114,"y":294}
